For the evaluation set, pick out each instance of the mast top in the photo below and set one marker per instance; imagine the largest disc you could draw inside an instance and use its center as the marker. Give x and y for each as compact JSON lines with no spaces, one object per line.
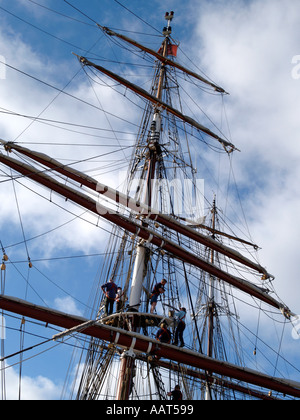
{"x":168,"y":29}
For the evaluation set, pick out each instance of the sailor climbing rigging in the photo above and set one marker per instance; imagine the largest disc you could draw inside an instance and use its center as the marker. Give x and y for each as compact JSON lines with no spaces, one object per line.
{"x":159,"y":289}
{"x":176,"y":394}
{"x":180,"y":317}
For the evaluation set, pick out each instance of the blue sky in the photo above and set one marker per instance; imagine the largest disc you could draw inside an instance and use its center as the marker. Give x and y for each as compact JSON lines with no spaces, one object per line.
{"x":53,"y":33}
{"x":246,"y":47}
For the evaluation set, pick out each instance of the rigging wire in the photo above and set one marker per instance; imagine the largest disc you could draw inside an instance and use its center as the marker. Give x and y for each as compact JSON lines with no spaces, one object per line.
{"x":107,"y":119}
{"x":57,"y":123}
{"x":126,"y":8}
{"x":55,"y":98}
{"x":20,"y":218}
{"x":22,"y":326}
{"x":42,"y":30}
{"x":2,"y":331}
{"x":280,"y":345}
{"x":80,"y":11}
{"x":61,"y":14}
{"x":48,"y":106}
{"x":257,"y":330}
{"x":63,"y":92}
{"x":123,"y":30}
{"x":22,"y":351}
{"x":138,"y":17}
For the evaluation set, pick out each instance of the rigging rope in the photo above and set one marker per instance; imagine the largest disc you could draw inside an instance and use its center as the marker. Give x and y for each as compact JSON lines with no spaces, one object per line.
{"x":185,"y":273}
{"x":62,"y":91}
{"x":22,"y":327}
{"x":138,"y":17}
{"x":20,"y":219}
{"x":106,"y":116}
{"x":2,"y":330}
{"x":280,"y":345}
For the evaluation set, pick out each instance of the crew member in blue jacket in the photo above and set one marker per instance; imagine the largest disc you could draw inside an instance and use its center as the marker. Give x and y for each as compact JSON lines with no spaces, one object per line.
{"x":180,"y":317}
{"x":159,"y":289}
{"x":163,"y":334}
{"x":110,"y":290}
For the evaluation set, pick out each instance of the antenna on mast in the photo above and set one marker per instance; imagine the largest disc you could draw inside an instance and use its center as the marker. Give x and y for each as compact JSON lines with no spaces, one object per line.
{"x":168,"y":29}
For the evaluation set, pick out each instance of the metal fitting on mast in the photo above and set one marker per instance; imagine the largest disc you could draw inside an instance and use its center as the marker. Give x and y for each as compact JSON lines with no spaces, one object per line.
{"x":168,"y":29}
{"x":155,"y":130}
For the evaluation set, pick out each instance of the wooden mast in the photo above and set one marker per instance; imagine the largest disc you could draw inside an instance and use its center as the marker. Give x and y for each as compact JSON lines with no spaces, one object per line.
{"x":127,"y":370}
{"x":211,"y":301}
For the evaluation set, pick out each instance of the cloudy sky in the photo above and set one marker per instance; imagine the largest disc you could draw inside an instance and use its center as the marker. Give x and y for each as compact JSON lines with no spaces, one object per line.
{"x":248,"y":47}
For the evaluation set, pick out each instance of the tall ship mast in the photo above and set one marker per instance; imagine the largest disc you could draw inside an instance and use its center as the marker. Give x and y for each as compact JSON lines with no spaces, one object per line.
{"x":164,"y":228}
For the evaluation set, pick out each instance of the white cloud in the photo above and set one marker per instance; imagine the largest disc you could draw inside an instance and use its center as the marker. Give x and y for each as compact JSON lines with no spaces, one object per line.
{"x":26,"y":96}
{"x":32,"y":388}
{"x":67,"y":305}
{"x":247,"y":48}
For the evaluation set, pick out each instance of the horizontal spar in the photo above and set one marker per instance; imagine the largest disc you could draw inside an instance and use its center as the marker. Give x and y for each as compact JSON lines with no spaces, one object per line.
{"x":145,"y":344}
{"x":160,"y":57}
{"x":229,"y":147}
{"x":138,"y":207}
{"x":215,"y":380}
{"x":140,"y":231}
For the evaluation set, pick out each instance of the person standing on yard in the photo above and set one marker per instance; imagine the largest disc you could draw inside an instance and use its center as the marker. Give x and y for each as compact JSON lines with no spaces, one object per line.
{"x":180,"y":327}
{"x":120,"y":299}
{"x":110,"y":291}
